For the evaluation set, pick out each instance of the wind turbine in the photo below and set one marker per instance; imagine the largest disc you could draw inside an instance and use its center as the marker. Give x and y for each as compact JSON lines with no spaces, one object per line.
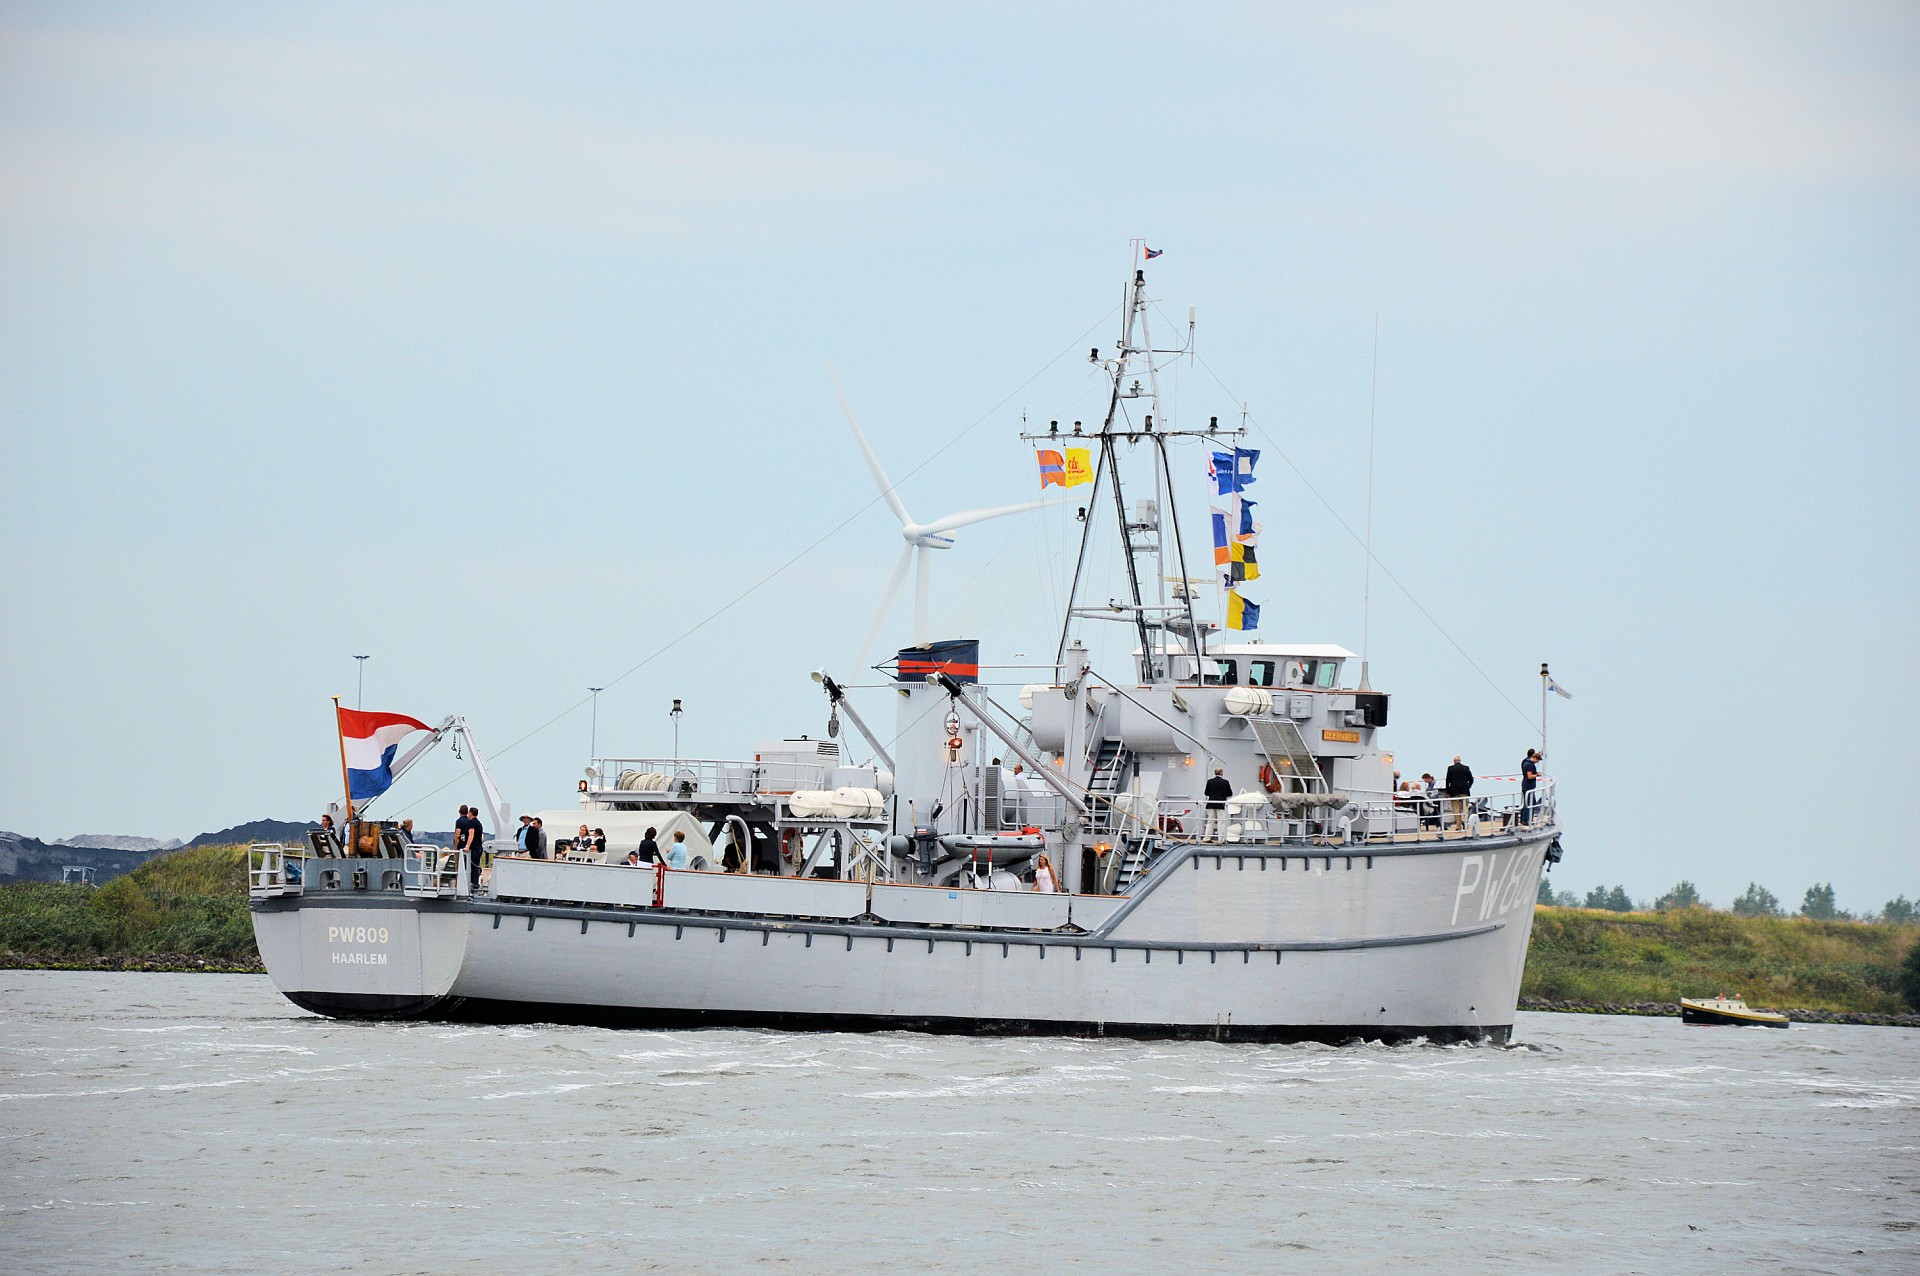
{"x":919,"y":537}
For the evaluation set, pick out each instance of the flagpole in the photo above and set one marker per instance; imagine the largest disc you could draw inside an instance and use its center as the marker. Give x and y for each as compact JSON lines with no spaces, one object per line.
{"x":346,"y":785}
{"x":1543,"y":708}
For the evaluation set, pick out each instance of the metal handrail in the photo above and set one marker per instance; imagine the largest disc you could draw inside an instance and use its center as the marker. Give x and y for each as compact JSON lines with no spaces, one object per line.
{"x":1185,"y":817}
{"x":435,"y":871}
{"x":267,"y":870}
{"x":709,"y":775}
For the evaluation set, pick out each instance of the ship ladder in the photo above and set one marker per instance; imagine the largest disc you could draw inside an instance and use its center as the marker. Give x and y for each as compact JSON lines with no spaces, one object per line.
{"x":1107,"y":780}
{"x":1134,"y":864}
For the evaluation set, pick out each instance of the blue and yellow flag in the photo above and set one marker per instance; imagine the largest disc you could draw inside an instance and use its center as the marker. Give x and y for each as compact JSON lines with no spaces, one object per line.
{"x":1233,"y":554}
{"x":1241,"y":614}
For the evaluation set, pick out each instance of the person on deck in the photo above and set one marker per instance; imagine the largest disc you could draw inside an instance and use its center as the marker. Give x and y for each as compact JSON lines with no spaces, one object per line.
{"x":677,"y":853}
{"x":1218,"y":790}
{"x":1459,"y":786}
{"x":466,"y":837}
{"x":650,"y":849}
{"x":1529,"y":780}
{"x":1045,"y":880}
{"x":537,"y":839}
{"x":521,"y":834}
{"x":1425,"y":789}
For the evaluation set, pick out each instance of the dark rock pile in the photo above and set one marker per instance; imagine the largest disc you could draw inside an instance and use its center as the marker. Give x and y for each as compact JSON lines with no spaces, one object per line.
{"x":157,"y":962}
{"x":1672,"y":1010}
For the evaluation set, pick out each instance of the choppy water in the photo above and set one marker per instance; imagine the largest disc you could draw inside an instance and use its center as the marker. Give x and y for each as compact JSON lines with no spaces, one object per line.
{"x":200,"y":1121}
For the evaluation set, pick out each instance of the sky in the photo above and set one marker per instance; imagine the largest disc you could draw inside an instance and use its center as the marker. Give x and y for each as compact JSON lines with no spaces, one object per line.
{"x":497,"y":344}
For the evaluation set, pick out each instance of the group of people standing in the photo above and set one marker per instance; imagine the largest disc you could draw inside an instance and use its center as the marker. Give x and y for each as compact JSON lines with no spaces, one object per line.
{"x":1425,"y":795}
{"x":648,"y":852}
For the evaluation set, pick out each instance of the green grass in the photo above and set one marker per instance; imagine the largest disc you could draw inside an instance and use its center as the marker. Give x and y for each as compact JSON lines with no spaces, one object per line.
{"x":1588,"y":955}
{"x":189,"y":903}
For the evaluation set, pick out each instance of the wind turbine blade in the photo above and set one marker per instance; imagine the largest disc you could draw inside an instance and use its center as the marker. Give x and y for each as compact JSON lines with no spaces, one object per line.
{"x":894,"y":580}
{"x":873,"y":462}
{"x":952,"y":521}
{"x":922,"y":584}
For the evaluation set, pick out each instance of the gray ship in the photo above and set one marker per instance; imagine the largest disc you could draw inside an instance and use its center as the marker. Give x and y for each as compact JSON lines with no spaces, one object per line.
{"x":900,"y":879}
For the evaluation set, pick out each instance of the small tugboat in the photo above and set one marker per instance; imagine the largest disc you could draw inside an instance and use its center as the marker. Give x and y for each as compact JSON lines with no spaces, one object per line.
{"x":1728,"y":1010}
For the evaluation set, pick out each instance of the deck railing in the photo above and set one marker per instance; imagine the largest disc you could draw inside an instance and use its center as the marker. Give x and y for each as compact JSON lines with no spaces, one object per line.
{"x":622,"y":777}
{"x":1367,"y":817}
{"x":434,"y":871}
{"x":274,"y":870}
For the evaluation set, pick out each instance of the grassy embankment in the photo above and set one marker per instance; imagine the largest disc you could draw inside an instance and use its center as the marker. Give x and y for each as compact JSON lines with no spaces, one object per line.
{"x":1789,"y":963}
{"x":186,"y":910}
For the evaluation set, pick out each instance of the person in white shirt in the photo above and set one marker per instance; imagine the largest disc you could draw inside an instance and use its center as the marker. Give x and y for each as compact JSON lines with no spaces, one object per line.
{"x":1045,"y":880}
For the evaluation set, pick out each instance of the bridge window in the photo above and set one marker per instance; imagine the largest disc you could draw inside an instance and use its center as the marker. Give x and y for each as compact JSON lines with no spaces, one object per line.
{"x":1222,"y":674}
{"x":1260,"y":673}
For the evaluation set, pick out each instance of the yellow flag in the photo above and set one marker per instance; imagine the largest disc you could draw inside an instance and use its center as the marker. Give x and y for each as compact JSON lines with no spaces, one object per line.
{"x":1079,"y":466}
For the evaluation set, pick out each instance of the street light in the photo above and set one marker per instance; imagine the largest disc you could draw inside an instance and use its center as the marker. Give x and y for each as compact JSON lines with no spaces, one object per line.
{"x":360,"y":691}
{"x":593,"y":749}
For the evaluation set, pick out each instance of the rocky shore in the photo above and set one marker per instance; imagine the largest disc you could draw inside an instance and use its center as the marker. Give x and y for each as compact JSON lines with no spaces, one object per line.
{"x":1671,"y":1010}
{"x":165,"y":963}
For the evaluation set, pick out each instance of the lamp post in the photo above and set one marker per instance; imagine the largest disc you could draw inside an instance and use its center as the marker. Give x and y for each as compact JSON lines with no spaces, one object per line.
{"x":360,"y":689}
{"x":674,"y":713}
{"x":593,"y":746}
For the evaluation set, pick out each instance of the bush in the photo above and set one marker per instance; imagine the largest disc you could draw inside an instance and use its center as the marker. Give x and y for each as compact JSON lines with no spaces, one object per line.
{"x":1819,"y":903}
{"x":1910,"y":977}
{"x":124,"y":911}
{"x":1757,"y":902}
{"x":1615,"y":900}
{"x":1683,"y":895}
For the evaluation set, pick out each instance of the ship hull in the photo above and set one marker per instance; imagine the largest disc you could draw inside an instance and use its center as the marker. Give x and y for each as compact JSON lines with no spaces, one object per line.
{"x":1219,"y":943}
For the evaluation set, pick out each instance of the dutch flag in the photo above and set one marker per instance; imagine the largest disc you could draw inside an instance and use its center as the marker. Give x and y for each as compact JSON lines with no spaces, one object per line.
{"x":368,"y":742}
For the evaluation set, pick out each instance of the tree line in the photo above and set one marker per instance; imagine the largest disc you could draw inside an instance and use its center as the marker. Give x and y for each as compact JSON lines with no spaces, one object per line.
{"x":1818,"y":903}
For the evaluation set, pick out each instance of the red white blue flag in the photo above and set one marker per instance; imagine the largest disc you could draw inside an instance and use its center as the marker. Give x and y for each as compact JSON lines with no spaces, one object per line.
{"x":368,"y":742}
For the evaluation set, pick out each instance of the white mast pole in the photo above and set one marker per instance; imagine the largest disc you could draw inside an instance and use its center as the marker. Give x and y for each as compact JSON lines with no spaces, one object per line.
{"x":1366,"y":587}
{"x":1543,"y":708}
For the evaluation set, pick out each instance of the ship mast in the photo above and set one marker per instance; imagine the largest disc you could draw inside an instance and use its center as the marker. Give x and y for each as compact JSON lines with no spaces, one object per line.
{"x":1159,"y":625}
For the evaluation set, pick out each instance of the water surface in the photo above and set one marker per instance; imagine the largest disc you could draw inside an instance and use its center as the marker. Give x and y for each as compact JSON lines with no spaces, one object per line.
{"x":201,"y":1121}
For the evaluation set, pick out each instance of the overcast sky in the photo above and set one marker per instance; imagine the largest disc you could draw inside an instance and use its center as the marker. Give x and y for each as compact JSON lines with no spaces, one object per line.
{"x":493,"y":343}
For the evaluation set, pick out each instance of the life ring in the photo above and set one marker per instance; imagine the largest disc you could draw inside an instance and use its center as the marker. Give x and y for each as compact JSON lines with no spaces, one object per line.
{"x":1171,"y":824}
{"x":790,"y":844}
{"x":1268,"y":780}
